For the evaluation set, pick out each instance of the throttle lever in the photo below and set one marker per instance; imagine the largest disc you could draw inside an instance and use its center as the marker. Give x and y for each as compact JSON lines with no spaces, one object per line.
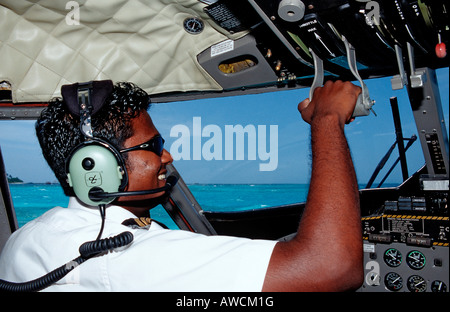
{"x":318,"y":74}
{"x":363,"y":103}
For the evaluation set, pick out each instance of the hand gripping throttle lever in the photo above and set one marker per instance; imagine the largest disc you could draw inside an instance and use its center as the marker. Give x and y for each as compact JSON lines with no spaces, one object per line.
{"x":363,"y":103}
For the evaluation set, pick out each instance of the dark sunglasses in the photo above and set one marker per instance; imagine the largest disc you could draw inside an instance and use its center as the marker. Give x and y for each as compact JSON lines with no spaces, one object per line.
{"x":155,"y":145}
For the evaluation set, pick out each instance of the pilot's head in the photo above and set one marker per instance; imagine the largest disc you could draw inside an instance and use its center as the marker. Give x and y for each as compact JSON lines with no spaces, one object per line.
{"x":122,"y":121}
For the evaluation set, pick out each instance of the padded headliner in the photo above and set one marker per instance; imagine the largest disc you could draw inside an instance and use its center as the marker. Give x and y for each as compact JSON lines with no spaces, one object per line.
{"x":142,"y":41}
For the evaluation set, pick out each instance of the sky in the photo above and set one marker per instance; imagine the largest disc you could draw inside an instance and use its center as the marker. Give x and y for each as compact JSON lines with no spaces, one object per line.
{"x":199,"y":135}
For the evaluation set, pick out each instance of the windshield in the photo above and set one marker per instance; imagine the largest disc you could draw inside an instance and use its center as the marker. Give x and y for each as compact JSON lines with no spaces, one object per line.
{"x":235,"y":153}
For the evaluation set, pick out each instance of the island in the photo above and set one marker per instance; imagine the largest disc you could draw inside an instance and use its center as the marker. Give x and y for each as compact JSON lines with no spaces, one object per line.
{"x":12,"y":179}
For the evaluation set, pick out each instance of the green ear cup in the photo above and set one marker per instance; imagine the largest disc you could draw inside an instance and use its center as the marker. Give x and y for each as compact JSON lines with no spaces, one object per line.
{"x":94,"y":166}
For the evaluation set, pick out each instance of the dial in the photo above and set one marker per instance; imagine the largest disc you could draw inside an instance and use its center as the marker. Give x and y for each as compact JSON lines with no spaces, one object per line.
{"x":392,"y":257}
{"x":438,"y":286}
{"x":393,"y":281}
{"x":417,"y":283}
{"x":193,"y":25}
{"x":416,"y":260}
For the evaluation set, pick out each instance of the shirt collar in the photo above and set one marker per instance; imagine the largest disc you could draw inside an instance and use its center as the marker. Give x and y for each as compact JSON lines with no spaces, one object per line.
{"x":113,"y":212}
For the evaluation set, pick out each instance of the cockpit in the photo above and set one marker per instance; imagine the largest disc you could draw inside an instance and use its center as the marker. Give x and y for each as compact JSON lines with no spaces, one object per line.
{"x":227,"y":72}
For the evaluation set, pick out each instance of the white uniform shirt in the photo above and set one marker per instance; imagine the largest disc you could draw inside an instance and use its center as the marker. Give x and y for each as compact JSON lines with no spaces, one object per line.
{"x":157,"y":260}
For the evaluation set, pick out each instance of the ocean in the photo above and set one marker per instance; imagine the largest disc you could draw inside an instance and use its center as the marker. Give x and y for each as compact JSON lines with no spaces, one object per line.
{"x":32,"y":200}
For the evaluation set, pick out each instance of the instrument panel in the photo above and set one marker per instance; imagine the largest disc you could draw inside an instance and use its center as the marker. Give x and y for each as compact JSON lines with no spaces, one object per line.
{"x":398,"y":267}
{"x":406,"y":240}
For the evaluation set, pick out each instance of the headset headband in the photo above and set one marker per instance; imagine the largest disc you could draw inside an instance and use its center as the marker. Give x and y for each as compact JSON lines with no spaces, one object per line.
{"x":85,"y":100}
{"x":99,"y":91}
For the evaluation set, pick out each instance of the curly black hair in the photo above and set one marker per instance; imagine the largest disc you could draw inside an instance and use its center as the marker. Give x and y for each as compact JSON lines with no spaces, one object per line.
{"x":59,"y":132}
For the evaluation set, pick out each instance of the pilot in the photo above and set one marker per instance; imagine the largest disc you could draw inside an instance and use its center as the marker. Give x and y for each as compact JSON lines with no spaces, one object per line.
{"x":324,"y":255}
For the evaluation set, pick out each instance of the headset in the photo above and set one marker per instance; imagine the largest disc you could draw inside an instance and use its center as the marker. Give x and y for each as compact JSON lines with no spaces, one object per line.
{"x":95,"y":169}
{"x":94,"y":162}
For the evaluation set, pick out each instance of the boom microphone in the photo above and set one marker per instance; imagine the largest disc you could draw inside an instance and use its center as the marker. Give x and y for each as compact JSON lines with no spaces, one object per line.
{"x":97,"y":194}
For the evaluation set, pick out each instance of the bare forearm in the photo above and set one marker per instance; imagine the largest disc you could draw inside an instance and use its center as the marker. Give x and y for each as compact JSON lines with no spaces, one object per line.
{"x":333,"y":193}
{"x":328,"y":246}
{"x":331,"y":228}
{"x":326,"y":253}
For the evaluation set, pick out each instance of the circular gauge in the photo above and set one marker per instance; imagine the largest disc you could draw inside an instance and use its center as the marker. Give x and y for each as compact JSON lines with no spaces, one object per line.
{"x":417,"y":283}
{"x":393,"y":281}
{"x":193,"y":25}
{"x":392,"y":257}
{"x":416,"y":260}
{"x":438,"y":286}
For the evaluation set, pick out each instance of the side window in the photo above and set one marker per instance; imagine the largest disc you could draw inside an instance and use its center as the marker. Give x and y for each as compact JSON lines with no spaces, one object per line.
{"x":32,"y":184}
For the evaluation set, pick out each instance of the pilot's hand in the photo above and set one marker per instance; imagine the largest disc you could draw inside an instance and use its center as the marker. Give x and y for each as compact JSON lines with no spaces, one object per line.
{"x":333,"y":99}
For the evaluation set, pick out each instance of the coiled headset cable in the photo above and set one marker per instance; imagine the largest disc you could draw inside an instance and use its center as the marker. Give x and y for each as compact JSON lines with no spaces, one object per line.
{"x":87,"y":250}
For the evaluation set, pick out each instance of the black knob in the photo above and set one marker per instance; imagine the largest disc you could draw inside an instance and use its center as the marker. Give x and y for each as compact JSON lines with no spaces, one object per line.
{"x":88,"y":163}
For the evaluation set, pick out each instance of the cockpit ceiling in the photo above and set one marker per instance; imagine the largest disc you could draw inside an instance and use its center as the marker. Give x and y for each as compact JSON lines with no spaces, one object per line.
{"x":181,"y":46}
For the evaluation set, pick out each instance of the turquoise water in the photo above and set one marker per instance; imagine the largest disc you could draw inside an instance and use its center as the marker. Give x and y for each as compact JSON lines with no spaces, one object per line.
{"x":32,"y":200}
